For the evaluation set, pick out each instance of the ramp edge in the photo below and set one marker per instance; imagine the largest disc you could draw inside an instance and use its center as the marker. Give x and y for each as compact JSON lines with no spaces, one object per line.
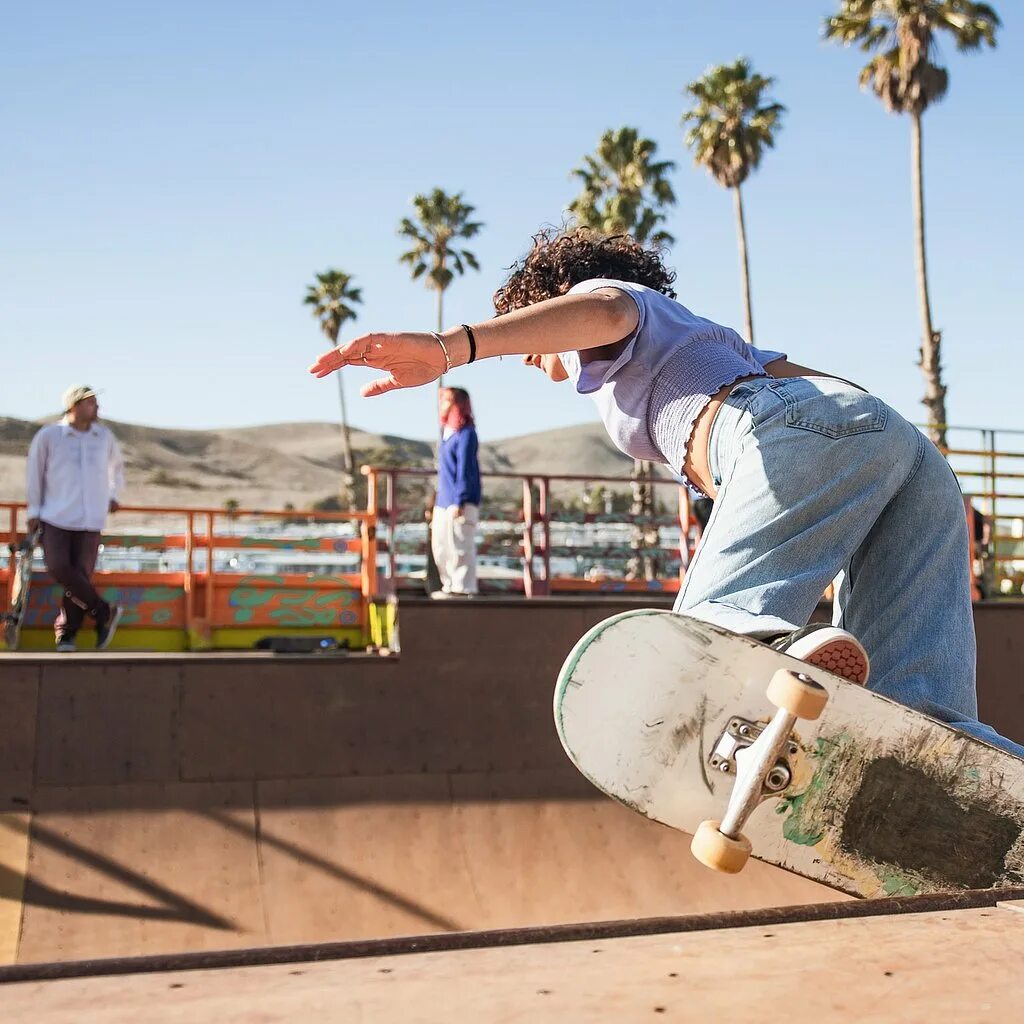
{"x":538,"y":935}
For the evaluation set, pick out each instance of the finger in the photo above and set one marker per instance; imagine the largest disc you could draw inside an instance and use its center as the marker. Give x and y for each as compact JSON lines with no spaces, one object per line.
{"x":327,"y":363}
{"x":381,"y":386}
{"x":322,"y":369}
{"x":354,"y":350}
{"x":348,"y":354}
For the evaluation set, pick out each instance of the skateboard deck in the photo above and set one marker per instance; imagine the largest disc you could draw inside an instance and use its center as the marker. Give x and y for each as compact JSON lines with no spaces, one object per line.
{"x":21,"y":566}
{"x":872,"y":798}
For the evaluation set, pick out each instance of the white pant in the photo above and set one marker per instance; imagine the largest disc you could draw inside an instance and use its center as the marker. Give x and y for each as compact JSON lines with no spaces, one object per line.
{"x":453,"y":541}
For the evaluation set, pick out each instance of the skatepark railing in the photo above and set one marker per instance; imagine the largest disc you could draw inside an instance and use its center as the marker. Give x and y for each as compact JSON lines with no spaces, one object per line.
{"x":185,"y":591}
{"x":544,"y":520}
{"x":527,"y":537}
{"x":989,"y":464}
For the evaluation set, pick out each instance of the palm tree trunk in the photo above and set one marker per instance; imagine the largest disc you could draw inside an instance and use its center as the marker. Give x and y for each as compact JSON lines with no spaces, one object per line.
{"x":347,"y":458}
{"x":934,"y":391}
{"x":741,"y":230}
{"x":643,"y":505}
{"x":440,"y":380}
{"x":440,"y":325}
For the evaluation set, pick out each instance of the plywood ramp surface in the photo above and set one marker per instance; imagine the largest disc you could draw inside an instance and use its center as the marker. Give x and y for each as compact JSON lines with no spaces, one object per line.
{"x":959,"y":965}
{"x":142,"y":868}
{"x":145,"y":869}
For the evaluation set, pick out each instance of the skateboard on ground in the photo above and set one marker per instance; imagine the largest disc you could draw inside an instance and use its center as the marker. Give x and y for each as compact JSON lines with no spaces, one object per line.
{"x":21,"y":565}
{"x":753,"y":752}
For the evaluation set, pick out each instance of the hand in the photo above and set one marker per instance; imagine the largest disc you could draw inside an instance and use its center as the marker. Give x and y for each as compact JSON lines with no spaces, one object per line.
{"x":460,"y":513}
{"x":408,"y":359}
{"x":33,"y":525}
{"x":114,"y":506}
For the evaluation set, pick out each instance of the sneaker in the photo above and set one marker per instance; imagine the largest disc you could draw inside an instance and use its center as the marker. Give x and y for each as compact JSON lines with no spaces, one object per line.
{"x":827,"y":647}
{"x":66,"y":644}
{"x":106,"y":624}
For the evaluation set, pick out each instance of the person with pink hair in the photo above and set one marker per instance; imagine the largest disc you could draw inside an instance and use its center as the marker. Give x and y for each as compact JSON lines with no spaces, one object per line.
{"x":457,"y":505}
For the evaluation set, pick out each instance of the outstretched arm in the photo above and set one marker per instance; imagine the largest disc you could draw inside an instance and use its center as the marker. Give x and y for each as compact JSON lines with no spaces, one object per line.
{"x":568,"y":323}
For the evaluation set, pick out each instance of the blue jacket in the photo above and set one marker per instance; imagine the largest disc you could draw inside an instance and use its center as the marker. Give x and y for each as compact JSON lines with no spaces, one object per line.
{"x":458,"y":475}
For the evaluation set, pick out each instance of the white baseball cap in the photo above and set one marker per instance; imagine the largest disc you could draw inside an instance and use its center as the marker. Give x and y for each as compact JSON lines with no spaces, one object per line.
{"x":78,"y":393}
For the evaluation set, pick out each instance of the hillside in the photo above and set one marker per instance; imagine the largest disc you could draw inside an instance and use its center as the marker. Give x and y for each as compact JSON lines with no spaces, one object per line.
{"x":298,"y":463}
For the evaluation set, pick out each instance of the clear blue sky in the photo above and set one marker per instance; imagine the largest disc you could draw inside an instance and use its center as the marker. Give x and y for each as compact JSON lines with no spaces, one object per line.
{"x":173,"y":175}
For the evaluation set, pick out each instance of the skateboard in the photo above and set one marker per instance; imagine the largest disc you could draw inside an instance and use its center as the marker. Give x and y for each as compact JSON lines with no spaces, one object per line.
{"x":21,"y":565}
{"x":755,"y":753}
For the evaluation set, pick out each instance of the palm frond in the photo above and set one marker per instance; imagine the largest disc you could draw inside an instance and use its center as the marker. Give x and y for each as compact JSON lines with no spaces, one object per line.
{"x":440,"y":218}
{"x":731,"y":122}
{"x":902,"y":38}
{"x":623,"y":187}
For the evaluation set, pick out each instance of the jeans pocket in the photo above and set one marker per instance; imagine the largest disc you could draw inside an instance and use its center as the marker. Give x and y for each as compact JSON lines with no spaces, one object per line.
{"x":840,"y":414}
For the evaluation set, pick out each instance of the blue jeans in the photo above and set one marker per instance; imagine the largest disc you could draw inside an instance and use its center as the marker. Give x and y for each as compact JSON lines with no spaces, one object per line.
{"x":818,"y":481}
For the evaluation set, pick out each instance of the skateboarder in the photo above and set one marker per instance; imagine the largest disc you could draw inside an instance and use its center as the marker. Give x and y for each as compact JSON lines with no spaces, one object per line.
{"x":813,"y":479}
{"x":75,"y":473}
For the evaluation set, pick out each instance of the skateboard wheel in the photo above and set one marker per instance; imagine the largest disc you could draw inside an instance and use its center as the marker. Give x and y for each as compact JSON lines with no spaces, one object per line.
{"x":795,"y":693}
{"x":717,"y":851}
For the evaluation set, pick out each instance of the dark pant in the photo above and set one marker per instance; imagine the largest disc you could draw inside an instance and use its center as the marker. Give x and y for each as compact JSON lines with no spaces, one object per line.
{"x":71,"y":559}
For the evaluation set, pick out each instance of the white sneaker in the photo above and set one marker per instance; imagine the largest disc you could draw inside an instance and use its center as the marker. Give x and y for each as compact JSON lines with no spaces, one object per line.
{"x":828,"y":647}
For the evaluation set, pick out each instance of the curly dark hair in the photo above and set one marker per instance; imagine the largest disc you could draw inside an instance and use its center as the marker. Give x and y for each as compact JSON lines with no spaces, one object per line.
{"x":560,"y":259}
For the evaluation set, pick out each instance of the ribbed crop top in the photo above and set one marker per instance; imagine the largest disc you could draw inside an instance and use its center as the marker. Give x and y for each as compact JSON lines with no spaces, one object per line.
{"x":651,"y":394}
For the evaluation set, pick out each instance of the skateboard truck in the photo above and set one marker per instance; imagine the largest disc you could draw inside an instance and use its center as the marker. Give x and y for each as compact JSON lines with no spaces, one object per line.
{"x":755,"y":754}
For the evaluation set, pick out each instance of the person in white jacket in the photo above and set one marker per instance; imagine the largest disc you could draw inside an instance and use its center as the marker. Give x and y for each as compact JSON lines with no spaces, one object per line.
{"x":75,"y":474}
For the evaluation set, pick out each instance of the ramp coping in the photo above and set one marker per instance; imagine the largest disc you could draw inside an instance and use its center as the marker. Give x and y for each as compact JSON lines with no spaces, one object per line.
{"x":452,"y":941}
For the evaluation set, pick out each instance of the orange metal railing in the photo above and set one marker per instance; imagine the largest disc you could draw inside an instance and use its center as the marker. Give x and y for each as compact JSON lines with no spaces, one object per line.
{"x":989,"y":464}
{"x":199,"y":534}
{"x":536,"y":517}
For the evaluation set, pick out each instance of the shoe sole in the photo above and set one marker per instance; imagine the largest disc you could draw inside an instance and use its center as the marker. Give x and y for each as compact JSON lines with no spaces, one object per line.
{"x":841,"y":657}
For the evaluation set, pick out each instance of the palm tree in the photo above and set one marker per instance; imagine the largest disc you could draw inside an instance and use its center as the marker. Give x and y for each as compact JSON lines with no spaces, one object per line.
{"x":902,"y":74}
{"x":732,"y":127}
{"x":624,"y":190}
{"x":441,"y":221}
{"x":332,"y":299}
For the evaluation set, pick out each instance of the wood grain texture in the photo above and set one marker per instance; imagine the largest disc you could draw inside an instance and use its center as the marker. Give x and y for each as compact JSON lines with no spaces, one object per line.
{"x":960,"y":965}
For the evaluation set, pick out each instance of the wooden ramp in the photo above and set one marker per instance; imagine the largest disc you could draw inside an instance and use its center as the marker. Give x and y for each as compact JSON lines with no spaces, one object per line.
{"x":917,"y":959}
{"x":141,"y":869}
{"x":154,"y":804}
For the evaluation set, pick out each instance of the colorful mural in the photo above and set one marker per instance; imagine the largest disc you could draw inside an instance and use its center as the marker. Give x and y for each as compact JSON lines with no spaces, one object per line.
{"x":272,"y":600}
{"x":244,"y":609}
{"x":162,"y":606}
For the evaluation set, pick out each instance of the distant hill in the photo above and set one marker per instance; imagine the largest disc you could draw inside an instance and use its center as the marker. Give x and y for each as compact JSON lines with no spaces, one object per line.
{"x":298,"y":463}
